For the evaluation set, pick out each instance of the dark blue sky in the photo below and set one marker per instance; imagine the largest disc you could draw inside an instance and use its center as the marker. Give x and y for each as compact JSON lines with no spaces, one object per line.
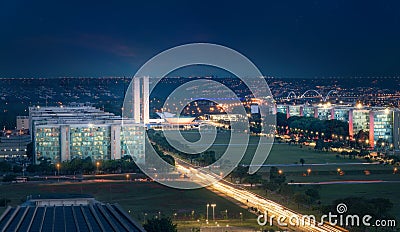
{"x":283,"y":38}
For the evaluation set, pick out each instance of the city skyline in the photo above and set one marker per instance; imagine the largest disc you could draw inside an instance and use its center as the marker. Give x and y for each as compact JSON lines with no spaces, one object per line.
{"x":284,"y":39}
{"x":199,"y":116}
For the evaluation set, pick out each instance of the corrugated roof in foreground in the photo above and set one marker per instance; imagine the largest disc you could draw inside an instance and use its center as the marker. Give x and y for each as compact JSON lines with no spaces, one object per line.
{"x":82,"y":218}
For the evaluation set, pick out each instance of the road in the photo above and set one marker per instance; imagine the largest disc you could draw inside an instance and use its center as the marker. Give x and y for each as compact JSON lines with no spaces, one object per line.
{"x":251,"y":199}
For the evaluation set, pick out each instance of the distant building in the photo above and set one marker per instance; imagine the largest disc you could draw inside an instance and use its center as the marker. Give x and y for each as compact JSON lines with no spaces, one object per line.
{"x":67,"y":213}
{"x":139,"y":102}
{"x":173,"y":119}
{"x":225,"y":117}
{"x":381,"y":123}
{"x":22,"y":123}
{"x":12,"y":146}
{"x":65,"y":133}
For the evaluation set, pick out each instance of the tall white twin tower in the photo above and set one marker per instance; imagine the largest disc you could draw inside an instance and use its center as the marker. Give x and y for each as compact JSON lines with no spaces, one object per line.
{"x":141,"y":101}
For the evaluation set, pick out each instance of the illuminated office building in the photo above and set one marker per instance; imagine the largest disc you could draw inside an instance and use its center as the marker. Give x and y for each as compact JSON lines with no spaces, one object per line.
{"x":381,"y":123}
{"x":62,"y":134}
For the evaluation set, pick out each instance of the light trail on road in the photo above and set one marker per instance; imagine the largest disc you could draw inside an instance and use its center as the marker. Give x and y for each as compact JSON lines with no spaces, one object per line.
{"x":251,"y":199}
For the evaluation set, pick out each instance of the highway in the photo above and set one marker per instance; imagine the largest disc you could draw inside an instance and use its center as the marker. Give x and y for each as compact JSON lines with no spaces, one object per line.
{"x":258,"y":202}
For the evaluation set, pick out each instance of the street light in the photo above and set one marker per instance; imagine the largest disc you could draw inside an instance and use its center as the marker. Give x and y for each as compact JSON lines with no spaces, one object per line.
{"x":280,"y":172}
{"x":309,"y":171}
{"x":127,"y":177}
{"x":213,"y":207}
{"x":97,"y":166}
{"x":58,"y":168}
{"x":241,"y":216}
{"x":338,"y":170}
{"x":208,"y":205}
{"x":395,"y":170}
{"x":226,"y":212}
{"x":144,"y":218}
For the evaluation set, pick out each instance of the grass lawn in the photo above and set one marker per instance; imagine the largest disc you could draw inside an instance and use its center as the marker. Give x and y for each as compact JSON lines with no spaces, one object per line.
{"x":224,"y":225}
{"x":280,"y":153}
{"x":385,"y":190}
{"x":289,"y":154}
{"x":136,"y":197}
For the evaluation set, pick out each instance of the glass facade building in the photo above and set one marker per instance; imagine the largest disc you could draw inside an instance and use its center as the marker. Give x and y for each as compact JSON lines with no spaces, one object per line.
{"x":381,"y":123}
{"x":47,"y":142}
{"x":295,"y":110}
{"x":70,"y":133}
{"x":308,"y":111}
{"x":281,"y":109}
{"x":383,"y":126}
{"x":360,"y":120}
{"x":92,"y":141}
{"x":341,"y":114}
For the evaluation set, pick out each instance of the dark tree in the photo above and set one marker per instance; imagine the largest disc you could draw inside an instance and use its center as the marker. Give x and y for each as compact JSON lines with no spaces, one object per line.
{"x":239,"y":172}
{"x":276,"y":177}
{"x":253,"y":179}
{"x":344,"y":153}
{"x":313,"y":194}
{"x":319,"y":145}
{"x":157,"y":225}
{"x":29,"y":150}
{"x":169,"y":159}
{"x":9,"y":178}
{"x":5,"y":167}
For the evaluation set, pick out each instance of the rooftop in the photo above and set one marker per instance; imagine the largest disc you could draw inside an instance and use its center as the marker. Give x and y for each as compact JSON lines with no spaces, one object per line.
{"x":91,"y":217}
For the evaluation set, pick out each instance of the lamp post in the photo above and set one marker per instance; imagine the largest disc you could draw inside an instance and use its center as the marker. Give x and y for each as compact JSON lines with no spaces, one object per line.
{"x":208,"y":205}
{"x":213,"y":208}
{"x":97,"y":166}
{"x":144,"y":218}
{"x":58,"y":169}
{"x":241,"y":216}
{"x":127,"y":177}
{"x":308,"y":171}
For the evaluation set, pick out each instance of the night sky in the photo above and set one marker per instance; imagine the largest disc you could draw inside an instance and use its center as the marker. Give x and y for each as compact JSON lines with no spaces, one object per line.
{"x":283,"y":38}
